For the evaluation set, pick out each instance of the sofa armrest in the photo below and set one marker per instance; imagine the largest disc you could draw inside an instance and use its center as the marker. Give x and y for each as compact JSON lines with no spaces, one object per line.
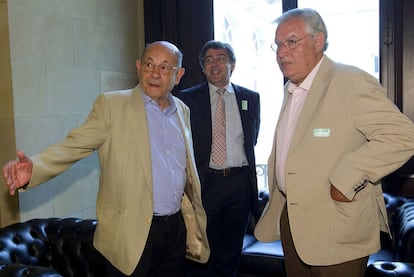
{"x":22,"y":270}
{"x":384,"y":268}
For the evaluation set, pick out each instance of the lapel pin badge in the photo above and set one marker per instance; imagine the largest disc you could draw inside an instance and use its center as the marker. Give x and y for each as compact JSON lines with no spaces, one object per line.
{"x":321,"y":132}
{"x":244,"y":105}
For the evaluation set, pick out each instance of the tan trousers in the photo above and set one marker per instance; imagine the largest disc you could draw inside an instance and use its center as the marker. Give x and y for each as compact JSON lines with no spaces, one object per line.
{"x":296,"y":268}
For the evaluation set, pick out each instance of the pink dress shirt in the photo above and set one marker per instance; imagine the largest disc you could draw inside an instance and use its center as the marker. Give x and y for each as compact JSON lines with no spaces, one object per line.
{"x":288,"y":121}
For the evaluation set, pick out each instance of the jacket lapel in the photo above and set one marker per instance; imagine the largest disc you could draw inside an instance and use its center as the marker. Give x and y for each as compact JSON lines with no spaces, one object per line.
{"x":139,"y":129}
{"x":184,"y":130}
{"x":241,"y":96}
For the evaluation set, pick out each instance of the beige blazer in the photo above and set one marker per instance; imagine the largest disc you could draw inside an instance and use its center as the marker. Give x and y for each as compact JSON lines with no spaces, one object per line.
{"x":117,"y":129}
{"x":349,"y":134}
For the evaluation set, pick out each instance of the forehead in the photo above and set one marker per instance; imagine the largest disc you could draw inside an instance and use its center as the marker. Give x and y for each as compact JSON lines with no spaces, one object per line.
{"x":160,"y":53}
{"x":216,"y":52}
{"x":293,"y":27}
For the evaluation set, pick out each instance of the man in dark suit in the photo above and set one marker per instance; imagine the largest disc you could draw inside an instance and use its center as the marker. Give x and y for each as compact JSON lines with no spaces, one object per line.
{"x":229,"y":183}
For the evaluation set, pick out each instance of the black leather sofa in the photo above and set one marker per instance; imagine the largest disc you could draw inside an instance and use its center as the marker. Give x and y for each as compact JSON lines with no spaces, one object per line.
{"x":50,"y":247}
{"x":63,"y":247}
{"x":258,"y":258}
{"x":396,"y":258}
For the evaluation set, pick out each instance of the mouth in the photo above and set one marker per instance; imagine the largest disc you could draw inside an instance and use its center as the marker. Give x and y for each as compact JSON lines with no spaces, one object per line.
{"x":283,"y":61}
{"x":284,"y":64}
{"x":215,"y":72}
{"x":154,"y":85}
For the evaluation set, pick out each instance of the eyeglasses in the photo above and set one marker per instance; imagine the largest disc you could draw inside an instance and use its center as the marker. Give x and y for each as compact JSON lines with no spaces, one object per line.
{"x":288,"y":43}
{"x":164,"y":68}
{"x":220,"y":59}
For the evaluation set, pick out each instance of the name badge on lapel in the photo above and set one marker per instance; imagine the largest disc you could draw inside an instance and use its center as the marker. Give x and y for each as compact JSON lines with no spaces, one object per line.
{"x":321,"y":132}
{"x":244,"y":105}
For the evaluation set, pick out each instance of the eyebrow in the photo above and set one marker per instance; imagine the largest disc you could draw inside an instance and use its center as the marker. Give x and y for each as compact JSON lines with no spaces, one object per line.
{"x":152,"y":60}
{"x":218,"y":55}
{"x":291,"y":36}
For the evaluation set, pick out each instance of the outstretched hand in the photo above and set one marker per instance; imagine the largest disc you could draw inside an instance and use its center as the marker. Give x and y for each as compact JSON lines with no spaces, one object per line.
{"x":17,"y":173}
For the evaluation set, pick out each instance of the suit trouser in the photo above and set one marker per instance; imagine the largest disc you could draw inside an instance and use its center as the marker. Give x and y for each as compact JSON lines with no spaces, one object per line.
{"x":296,"y":267}
{"x":226,"y":200}
{"x":164,"y":252}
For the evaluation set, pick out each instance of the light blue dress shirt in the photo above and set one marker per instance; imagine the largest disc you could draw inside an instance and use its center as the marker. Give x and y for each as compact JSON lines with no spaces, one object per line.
{"x":168,"y":154}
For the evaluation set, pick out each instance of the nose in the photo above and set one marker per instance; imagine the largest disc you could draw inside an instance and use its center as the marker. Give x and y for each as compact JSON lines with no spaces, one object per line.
{"x":156,"y":70}
{"x":282,"y":51}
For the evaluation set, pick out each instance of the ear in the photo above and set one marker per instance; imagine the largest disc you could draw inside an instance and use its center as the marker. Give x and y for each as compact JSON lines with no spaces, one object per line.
{"x":180,"y":74}
{"x":233,"y":66}
{"x":319,"y":39}
{"x":138,"y":65}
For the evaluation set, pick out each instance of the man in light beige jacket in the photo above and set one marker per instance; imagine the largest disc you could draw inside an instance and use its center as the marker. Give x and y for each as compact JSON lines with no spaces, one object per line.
{"x":337,"y":136}
{"x":149,"y":202}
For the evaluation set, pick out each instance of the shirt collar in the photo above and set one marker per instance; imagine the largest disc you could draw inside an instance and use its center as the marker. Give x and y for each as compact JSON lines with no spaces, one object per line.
{"x":149,"y":101}
{"x":212,"y":88}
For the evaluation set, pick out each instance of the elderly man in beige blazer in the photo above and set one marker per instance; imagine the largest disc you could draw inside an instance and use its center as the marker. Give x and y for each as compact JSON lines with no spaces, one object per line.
{"x":123,"y":130}
{"x":337,"y":136}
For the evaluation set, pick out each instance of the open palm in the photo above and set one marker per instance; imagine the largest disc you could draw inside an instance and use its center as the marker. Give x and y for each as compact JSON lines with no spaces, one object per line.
{"x":17,"y":173}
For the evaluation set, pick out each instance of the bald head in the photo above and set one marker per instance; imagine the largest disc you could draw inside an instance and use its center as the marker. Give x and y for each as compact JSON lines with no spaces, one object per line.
{"x":167,"y":45}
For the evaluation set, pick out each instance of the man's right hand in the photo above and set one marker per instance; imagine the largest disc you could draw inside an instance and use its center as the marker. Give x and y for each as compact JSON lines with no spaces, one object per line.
{"x":337,"y":195}
{"x":17,"y":173}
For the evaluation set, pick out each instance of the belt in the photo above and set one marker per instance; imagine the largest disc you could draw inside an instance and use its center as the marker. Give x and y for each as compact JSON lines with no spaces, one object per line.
{"x":164,"y":218}
{"x":226,"y":171}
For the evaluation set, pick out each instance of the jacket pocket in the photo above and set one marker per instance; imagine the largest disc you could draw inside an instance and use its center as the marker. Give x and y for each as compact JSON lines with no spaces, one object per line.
{"x":353,"y":222}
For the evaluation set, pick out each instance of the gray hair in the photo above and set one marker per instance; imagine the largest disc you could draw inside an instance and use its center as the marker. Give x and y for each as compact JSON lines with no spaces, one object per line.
{"x":313,"y":19}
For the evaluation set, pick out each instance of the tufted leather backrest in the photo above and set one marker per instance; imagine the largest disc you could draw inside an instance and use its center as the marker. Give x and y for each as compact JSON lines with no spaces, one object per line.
{"x":25,"y":243}
{"x":404,"y":232}
{"x":62,"y":244}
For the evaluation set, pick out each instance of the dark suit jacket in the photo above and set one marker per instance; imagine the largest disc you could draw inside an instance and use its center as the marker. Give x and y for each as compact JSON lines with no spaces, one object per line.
{"x":198,"y":99}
